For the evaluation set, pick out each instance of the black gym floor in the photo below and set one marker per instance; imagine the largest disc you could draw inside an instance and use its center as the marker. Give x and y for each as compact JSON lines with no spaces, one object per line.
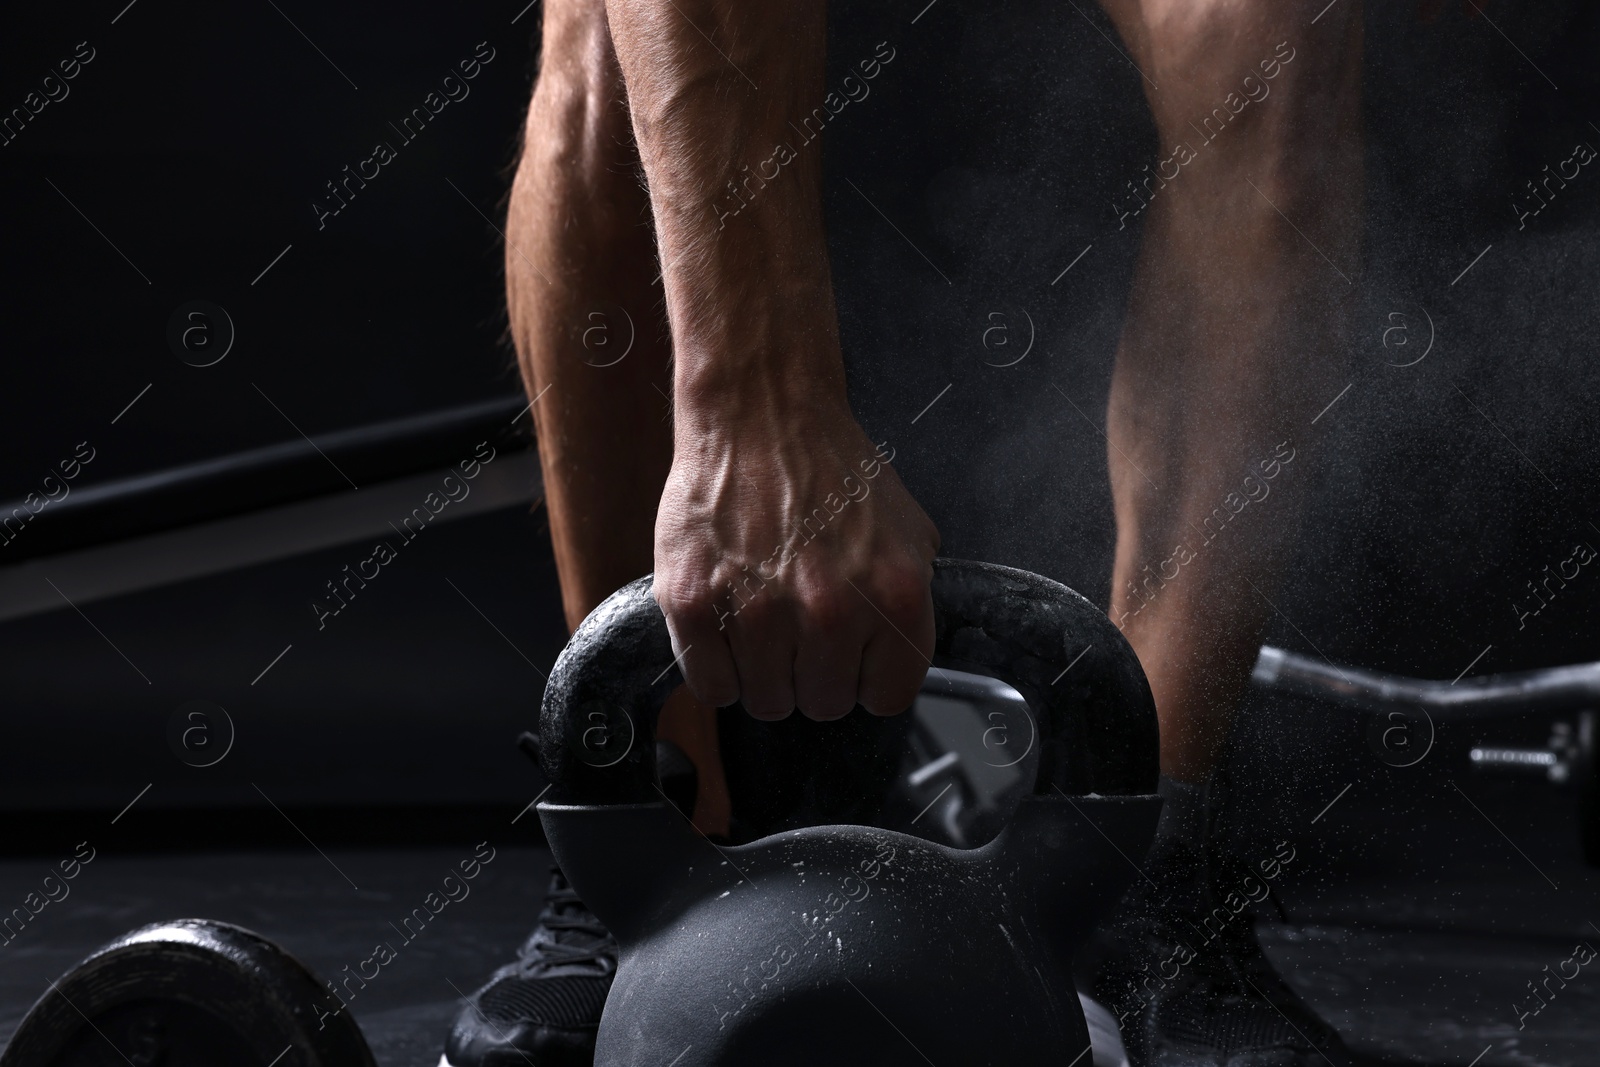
{"x":1414,"y":924}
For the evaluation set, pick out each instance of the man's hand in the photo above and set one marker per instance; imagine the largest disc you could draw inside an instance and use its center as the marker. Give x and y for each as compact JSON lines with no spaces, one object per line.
{"x":791,"y":564}
{"x":793,"y":567}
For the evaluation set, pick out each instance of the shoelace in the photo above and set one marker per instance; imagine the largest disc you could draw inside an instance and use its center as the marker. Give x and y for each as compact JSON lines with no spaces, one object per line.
{"x":565,"y":912}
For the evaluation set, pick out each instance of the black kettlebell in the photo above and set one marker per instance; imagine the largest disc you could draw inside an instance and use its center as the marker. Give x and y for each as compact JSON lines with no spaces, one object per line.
{"x":852,"y":944}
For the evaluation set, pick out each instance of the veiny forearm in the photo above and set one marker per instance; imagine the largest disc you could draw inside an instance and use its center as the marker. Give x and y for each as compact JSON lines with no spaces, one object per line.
{"x":713,"y":86}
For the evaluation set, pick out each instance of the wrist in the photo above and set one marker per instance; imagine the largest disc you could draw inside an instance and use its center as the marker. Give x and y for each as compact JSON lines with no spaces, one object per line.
{"x":754,"y":345}
{"x":765,"y":266}
{"x":775,"y":398}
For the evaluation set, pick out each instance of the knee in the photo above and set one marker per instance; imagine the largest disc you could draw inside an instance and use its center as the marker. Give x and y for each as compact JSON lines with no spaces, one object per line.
{"x":1200,"y":46}
{"x":1253,"y":81}
{"x":1199,"y":52}
{"x":579,"y":105}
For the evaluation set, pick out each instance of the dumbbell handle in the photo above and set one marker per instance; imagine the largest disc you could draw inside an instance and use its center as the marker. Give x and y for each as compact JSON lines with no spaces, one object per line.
{"x":1568,"y":688}
{"x":1092,"y":706}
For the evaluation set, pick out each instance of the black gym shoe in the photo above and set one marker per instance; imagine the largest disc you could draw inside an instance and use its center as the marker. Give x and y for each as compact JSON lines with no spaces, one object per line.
{"x":1181,"y":969}
{"x":542,"y":1010}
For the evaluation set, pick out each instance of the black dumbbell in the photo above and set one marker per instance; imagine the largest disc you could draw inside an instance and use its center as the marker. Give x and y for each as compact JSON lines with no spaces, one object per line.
{"x":190,"y":993}
{"x":1404,"y":710}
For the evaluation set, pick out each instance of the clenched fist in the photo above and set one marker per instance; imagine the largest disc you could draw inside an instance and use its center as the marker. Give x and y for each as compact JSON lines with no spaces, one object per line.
{"x":793,"y":567}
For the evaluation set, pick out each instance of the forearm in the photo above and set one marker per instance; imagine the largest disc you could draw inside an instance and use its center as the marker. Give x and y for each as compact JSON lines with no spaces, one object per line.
{"x":736,"y":197}
{"x":763,"y":608}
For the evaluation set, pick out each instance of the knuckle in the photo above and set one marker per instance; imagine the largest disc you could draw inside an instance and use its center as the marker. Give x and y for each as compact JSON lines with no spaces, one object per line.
{"x":757,"y":615}
{"x":903,"y":595}
{"x":711,"y":687}
{"x":685,"y":600}
{"x":826,"y":609}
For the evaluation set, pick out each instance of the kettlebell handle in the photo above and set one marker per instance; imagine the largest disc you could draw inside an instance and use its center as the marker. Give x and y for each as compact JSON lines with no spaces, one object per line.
{"x":1090,"y":702}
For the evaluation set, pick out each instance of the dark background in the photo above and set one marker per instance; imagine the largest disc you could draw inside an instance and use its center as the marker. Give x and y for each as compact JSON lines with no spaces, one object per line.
{"x":197,"y":141}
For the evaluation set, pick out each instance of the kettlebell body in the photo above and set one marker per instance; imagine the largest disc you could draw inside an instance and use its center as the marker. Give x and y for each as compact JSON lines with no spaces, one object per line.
{"x":855,"y":944}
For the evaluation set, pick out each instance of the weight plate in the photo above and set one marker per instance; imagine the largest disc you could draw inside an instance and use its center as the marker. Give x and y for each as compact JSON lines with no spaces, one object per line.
{"x":189,"y":993}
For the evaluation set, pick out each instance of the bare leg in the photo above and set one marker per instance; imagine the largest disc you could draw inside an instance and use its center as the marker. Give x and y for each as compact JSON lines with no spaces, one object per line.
{"x":1233,"y":339}
{"x":579,"y":249}
{"x":1231,"y":346}
{"x":580,"y":265}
